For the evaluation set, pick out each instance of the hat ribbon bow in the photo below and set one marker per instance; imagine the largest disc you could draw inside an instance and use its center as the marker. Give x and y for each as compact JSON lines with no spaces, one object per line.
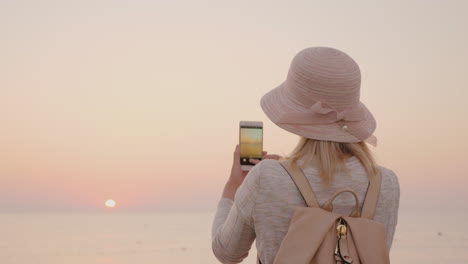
{"x":321,"y":113}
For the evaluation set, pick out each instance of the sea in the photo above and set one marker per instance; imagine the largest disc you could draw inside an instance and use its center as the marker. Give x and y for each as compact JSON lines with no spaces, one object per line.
{"x":184,"y":237}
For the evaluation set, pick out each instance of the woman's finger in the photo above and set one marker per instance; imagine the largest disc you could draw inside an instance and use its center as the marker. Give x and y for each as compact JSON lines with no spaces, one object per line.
{"x":254,"y":161}
{"x":237,"y":153}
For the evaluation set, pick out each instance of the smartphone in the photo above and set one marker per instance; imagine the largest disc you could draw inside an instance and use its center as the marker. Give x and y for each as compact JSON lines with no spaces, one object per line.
{"x":250,"y":142}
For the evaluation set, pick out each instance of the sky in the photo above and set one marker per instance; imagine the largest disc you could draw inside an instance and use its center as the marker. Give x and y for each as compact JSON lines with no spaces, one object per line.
{"x":140,"y":101}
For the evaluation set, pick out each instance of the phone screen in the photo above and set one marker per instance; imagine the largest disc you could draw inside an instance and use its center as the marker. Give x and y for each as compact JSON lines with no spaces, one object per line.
{"x":251,"y":144}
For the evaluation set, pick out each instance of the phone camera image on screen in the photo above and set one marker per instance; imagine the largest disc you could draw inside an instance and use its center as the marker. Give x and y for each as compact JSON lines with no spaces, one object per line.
{"x":251,"y":142}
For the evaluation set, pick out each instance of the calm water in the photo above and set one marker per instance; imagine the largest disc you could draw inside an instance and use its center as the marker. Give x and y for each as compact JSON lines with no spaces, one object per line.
{"x":185,"y":238}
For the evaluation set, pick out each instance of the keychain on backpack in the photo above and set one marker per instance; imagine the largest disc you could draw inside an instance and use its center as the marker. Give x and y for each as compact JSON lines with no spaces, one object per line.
{"x":341,"y":249}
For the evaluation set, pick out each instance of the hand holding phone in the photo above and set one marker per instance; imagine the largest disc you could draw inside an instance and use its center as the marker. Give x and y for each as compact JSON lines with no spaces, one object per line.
{"x":250,"y":143}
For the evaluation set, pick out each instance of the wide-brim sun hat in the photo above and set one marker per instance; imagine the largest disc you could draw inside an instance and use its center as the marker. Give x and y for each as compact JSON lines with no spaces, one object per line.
{"x":320,"y":98}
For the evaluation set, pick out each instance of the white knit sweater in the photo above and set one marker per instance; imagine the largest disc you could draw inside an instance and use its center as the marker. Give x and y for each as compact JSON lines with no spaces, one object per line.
{"x":263,"y":206}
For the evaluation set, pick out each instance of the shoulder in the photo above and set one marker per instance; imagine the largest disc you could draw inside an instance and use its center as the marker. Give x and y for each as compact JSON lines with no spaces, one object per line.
{"x":270,"y":166}
{"x":251,"y":182}
{"x":390,"y":183}
{"x":388,"y":175}
{"x":265,"y":170}
{"x":264,"y":166}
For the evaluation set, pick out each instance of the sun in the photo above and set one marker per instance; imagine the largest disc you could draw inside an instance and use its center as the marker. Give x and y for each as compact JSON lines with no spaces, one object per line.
{"x":110,"y":203}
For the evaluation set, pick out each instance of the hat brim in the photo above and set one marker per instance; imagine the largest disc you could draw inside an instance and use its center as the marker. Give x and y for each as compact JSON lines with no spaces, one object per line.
{"x":277,"y":101}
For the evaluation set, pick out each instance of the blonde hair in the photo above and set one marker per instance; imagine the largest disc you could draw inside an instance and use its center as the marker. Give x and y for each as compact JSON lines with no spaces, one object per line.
{"x":331,"y":156}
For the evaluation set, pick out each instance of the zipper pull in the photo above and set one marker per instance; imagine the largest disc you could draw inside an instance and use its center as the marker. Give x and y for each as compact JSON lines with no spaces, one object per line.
{"x":341,"y":249}
{"x":338,"y":259}
{"x":341,"y":229}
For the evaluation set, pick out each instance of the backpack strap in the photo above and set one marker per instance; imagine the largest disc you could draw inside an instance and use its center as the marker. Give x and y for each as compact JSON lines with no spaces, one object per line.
{"x":372,"y":196}
{"x":370,"y":201}
{"x":301,"y":182}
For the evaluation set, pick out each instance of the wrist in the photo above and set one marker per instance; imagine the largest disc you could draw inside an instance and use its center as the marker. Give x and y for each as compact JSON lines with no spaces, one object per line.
{"x":230,"y":189}
{"x":233,"y":182}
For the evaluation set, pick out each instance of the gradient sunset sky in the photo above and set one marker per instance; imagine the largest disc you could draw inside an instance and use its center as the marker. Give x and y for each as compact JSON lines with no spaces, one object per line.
{"x":140,"y":101}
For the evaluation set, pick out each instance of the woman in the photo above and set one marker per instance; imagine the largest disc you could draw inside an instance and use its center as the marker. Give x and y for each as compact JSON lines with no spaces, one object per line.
{"x":319,"y":101}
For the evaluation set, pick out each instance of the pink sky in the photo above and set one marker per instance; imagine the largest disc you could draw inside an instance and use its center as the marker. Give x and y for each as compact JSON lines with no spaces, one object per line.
{"x":140,"y":101}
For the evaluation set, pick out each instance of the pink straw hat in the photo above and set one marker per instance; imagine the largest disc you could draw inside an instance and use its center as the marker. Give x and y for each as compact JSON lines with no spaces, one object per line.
{"x":320,"y":98}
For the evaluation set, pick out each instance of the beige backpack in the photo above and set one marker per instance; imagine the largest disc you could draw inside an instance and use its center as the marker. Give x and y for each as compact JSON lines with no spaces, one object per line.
{"x":319,"y":236}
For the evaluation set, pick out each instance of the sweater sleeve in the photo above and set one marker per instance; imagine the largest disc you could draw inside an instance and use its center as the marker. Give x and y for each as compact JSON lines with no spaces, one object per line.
{"x":393,"y":208}
{"x":233,"y":228}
